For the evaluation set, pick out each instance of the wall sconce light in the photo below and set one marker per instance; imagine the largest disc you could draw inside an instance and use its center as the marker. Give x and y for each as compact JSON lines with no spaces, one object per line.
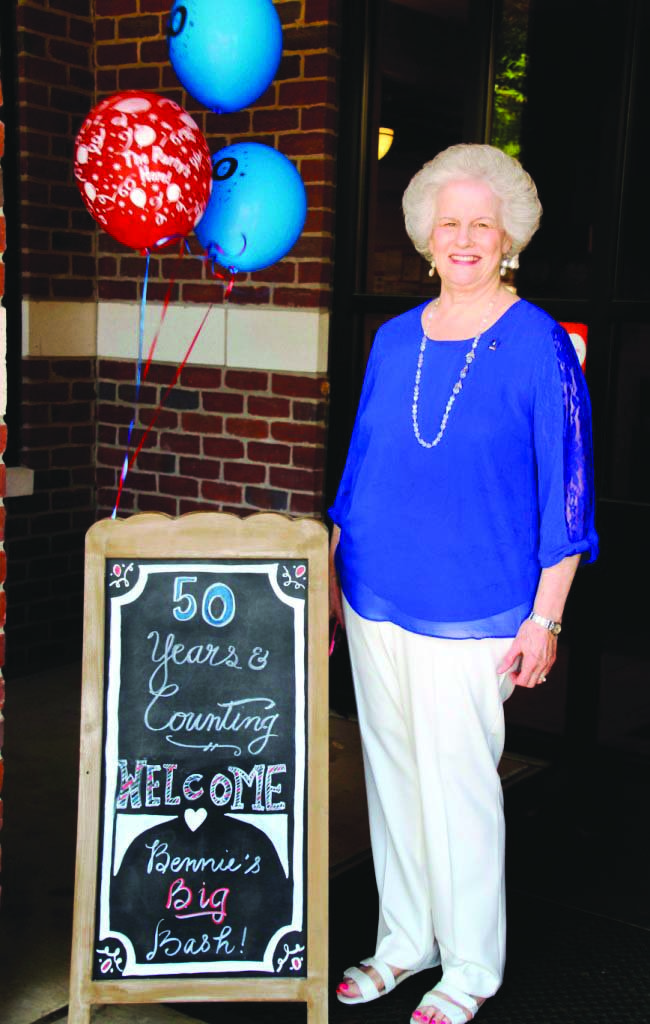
{"x":386,"y":136}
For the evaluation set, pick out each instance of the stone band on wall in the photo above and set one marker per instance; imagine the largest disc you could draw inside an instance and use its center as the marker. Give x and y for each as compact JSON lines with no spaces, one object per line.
{"x":293,"y":340}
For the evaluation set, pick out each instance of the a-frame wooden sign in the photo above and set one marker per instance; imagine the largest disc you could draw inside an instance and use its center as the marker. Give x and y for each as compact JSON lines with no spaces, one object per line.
{"x":202,"y":837}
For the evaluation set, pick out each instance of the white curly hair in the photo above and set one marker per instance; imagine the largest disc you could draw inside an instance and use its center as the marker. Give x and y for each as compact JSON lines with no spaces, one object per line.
{"x":521,"y":209}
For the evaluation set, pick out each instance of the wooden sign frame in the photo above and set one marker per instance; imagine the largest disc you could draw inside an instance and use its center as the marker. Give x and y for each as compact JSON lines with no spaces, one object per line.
{"x":205,"y":536}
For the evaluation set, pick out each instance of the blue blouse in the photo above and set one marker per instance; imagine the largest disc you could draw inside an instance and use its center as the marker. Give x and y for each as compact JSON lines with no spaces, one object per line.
{"x":450,"y":541}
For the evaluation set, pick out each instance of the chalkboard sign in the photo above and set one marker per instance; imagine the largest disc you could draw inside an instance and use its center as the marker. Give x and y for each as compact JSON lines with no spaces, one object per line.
{"x":203,"y":763}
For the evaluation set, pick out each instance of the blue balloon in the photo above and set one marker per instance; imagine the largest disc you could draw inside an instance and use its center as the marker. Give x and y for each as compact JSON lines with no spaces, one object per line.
{"x":224,"y":52}
{"x":257,"y":208}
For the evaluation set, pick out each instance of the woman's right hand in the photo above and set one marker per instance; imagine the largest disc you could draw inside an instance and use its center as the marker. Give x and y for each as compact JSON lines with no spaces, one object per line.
{"x":336,"y":601}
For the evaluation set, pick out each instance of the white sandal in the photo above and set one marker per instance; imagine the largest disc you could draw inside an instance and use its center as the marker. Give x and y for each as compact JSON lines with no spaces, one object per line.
{"x":367,"y":987}
{"x":458,"y":1007}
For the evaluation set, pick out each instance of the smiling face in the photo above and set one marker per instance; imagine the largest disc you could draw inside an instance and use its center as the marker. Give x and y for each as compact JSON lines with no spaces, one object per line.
{"x":468,"y":240}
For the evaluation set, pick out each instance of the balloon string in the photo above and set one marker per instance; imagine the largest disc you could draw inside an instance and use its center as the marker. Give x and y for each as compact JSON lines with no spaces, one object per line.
{"x":177,"y":374}
{"x":141,"y":374}
{"x":172,"y":282}
{"x":212,"y":251}
{"x":129,"y":462}
{"x":143,"y":308}
{"x":230,"y":277}
{"x":138,"y":381}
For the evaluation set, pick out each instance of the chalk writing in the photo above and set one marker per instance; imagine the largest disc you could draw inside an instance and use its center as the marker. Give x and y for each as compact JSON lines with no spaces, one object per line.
{"x":203,"y":859}
{"x":171,"y":945}
{"x":161,"y":860}
{"x":234,"y":717}
{"x":180,"y":899}
{"x":221,"y":789}
{"x":185,"y":604}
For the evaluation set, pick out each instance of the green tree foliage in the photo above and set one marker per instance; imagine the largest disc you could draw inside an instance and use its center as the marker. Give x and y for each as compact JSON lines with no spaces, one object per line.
{"x":510,"y":79}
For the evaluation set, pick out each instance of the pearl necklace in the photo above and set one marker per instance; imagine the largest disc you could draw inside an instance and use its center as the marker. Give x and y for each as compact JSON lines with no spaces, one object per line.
{"x":455,"y":391}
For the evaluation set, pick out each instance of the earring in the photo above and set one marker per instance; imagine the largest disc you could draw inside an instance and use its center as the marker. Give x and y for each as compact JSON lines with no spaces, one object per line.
{"x":432,"y":271}
{"x":509,"y":263}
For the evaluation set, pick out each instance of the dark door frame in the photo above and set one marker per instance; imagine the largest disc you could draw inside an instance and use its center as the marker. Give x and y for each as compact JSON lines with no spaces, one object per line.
{"x":590,"y":603}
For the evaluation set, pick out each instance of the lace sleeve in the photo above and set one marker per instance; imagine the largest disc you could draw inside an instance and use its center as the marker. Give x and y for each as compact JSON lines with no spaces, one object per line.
{"x":564,"y":455}
{"x":578,"y":448}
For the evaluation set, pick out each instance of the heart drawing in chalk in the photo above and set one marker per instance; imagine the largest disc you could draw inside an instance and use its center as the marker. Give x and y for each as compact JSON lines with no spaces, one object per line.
{"x":194,"y":819}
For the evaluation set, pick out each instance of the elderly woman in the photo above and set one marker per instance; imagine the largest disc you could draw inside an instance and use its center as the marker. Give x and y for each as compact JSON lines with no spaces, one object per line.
{"x":465,"y":506}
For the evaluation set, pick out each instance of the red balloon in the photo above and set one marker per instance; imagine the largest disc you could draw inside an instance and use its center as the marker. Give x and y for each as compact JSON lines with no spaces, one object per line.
{"x":143,"y":168}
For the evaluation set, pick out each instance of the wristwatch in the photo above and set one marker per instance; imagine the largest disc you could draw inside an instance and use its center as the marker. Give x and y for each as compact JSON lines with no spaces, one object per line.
{"x":553,"y":627}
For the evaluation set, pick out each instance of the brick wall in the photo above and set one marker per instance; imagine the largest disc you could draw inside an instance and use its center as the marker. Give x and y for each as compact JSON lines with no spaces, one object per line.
{"x":45,"y":531}
{"x":296,"y":114}
{"x":244,"y":440}
{"x":65,"y":256}
{"x":240,"y":440}
{"x":55,"y":91}
{"x":230,"y":438}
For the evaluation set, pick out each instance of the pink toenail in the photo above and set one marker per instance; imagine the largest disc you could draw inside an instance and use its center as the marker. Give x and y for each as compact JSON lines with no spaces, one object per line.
{"x":343,"y":987}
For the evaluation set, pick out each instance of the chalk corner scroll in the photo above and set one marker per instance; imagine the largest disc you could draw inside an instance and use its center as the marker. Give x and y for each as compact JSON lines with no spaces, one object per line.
{"x":121,"y":576}
{"x":290,"y":955}
{"x":110,"y":959}
{"x":293,"y":578}
{"x":289,"y":959}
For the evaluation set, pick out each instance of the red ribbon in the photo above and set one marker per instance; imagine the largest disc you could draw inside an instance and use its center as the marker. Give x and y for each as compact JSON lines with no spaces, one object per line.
{"x":230,"y":278}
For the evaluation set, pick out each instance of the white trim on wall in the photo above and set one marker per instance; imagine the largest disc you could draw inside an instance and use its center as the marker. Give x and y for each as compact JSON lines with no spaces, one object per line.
{"x":277,"y":339}
{"x":118,"y":328}
{"x":250,"y":337}
{"x":59,"y":328}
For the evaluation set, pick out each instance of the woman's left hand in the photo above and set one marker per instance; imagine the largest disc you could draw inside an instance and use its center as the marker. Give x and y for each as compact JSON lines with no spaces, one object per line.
{"x":531,"y":656}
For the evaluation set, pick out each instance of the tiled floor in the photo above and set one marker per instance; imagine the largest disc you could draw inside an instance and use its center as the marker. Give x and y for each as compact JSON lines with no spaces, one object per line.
{"x":578,"y":883}
{"x":41,"y":755}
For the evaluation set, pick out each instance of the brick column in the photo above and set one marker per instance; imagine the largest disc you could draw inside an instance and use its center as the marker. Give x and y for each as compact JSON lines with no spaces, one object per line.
{"x":3,"y":445}
{"x":244,"y":428}
{"x":68,"y":61}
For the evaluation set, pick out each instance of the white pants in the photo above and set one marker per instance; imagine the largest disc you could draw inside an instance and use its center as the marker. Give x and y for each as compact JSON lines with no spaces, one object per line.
{"x":432,"y":729}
